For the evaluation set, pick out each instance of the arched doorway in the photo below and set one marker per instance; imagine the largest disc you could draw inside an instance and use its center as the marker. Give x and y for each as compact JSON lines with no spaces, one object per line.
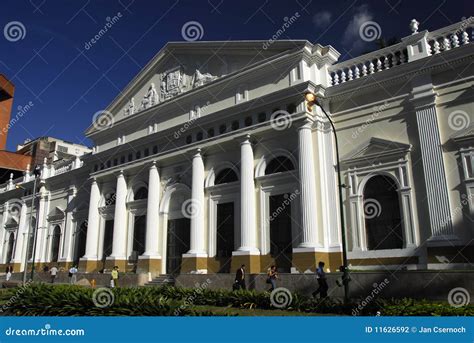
{"x":281,"y":242}
{"x":81,"y":238}
{"x":225,"y":219}
{"x":139,"y":225}
{"x":10,"y":246}
{"x":55,"y":242}
{"x":382,"y":214}
{"x":178,"y":227}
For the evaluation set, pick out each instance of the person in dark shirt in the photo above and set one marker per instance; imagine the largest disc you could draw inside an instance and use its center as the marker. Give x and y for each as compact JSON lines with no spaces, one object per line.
{"x":323,"y":285}
{"x":240,"y":278}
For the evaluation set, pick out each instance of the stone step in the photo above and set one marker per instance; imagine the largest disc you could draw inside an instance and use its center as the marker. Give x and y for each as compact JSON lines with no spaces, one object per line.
{"x":162,"y":280}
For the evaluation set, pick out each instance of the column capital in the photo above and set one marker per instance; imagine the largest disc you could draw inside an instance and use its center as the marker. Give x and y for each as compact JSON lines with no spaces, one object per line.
{"x":306,"y":123}
{"x":245,"y":139}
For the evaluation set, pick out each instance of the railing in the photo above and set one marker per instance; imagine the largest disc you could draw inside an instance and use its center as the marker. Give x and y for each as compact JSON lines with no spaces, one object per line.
{"x":451,"y":37}
{"x":47,"y":171}
{"x":444,"y":39}
{"x":368,"y":64}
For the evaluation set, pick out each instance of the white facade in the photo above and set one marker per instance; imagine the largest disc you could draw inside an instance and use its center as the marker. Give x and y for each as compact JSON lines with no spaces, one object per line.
{"x":210,"y":158}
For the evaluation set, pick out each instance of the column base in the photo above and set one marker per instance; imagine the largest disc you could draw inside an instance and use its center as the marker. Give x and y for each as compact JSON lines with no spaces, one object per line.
{"x":89,"y":265}
{"x":194,"y":263}
{"x":17,"y":267}
{"x":251,"y":261}
{"x":149,"y":264}
{"x":305,"y":259}
{"x":121,"y":263}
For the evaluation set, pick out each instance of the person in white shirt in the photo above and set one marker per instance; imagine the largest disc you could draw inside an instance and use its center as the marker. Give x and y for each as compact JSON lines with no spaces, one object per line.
{"x":72,"y":275}
{"x":54,"y":272}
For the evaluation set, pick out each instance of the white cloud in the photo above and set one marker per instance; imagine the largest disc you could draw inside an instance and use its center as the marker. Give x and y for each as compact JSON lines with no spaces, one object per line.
{"x":351,"y":34}
{"x":322,"y":19}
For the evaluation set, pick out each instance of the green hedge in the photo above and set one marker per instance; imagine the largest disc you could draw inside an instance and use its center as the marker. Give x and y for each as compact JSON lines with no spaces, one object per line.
{"x":66,"y":300}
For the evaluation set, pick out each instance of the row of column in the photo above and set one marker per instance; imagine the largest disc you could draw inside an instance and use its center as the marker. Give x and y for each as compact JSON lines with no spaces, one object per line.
{"x":197,"y":234}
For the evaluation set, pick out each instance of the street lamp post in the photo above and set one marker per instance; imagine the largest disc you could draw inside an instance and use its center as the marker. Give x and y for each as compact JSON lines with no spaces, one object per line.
{"x":33,"y":196}
{"x":312,"y":100}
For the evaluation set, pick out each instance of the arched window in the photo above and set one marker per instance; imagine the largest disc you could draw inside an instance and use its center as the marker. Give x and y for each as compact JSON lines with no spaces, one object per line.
{"x":279,"y":164}
{"x":11,"y":243}
{"x":55,"y":244}
{"x":81,"y":237}
{"x":141,"y":193}
{"x":225,"y":176}
{"x":382,"y":214}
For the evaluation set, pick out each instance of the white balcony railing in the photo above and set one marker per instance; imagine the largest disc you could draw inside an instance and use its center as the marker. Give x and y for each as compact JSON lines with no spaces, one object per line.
{"x":447,"y":38}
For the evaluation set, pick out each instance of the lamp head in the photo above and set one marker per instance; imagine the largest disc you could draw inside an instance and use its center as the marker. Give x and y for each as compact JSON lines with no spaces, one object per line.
{"x":310,"y":100}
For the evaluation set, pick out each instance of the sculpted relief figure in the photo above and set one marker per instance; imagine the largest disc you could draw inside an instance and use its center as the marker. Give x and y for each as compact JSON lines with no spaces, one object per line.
{"x":150,"y":98}
{"x":130,"y":109}
{"x":200,"y":78}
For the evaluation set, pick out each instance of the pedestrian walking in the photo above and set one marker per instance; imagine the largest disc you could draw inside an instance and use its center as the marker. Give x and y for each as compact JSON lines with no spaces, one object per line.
{"x":323,"y":285}
{"x":72,"y":275}
{"x":240,"y":278}
{"x":8,"y":272}
{"x":114,"y":277}
{"x":53,"y":272}
{"x":272,"y":276}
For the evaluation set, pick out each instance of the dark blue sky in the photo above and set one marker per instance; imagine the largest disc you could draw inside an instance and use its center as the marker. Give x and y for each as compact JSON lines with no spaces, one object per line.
{"x":67,"y":84}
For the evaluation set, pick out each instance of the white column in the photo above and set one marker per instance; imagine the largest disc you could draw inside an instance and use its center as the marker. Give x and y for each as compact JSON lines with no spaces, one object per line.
{"x":3,"y":215}
{"x":435,"y":174}
{"x":247,"y":198}
{"x":92,"y":239}
{"x":20,"y":237}
{"x":153,"y":215}
{"x":120,"y":220}
{"x":69,"y":229}
{"x":308,"y":186}
{"x":42,"y":234}
{"x":195,"y":209}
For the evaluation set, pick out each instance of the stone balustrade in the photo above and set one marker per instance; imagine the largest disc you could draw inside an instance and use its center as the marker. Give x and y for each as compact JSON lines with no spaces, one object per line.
{"x":47,"y":171}
{"x":451,"y":37}
{"x":444,"y":39}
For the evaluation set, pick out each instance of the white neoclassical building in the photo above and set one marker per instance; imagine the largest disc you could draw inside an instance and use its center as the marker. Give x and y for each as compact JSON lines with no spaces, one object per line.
{"x":211,"y":158}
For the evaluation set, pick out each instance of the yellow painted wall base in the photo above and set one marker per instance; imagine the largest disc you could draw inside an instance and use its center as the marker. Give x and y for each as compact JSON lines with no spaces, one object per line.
{"x":190,"y":264}
{"x":152,"y":266}
{"x":252,"y":263}
{"x":90,"y":266}
{"x":303,"y":261}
